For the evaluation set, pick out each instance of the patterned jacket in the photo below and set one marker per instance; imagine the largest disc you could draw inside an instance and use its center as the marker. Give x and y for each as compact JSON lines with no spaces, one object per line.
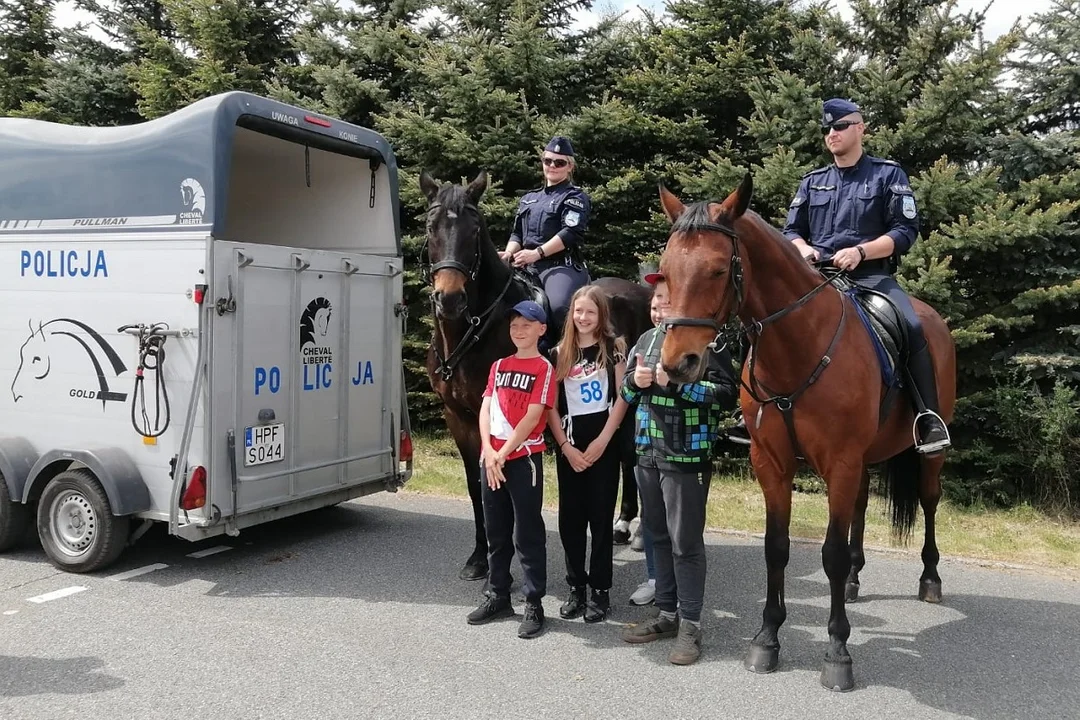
{"x":676,"y":426}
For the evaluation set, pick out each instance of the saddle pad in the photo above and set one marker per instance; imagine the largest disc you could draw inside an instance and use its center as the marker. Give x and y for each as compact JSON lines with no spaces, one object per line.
{"x":887,"y":356}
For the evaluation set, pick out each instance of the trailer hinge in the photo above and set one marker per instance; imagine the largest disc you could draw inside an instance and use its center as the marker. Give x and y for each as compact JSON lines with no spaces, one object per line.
{"x":228,"y":304}
{"x":374,"y":164}
{"x":401,"y":310}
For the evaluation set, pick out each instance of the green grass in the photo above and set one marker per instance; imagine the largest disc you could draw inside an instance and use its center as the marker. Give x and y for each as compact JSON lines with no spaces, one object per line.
{"x":1019,"y":535}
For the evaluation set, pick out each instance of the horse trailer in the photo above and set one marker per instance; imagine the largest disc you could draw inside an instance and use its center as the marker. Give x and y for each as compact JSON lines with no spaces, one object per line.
{"x":201,"y":320}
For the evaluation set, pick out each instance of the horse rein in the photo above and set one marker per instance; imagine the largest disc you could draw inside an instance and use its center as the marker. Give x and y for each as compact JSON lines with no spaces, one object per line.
{"x":785,"y":403}
{"x":475,"y":330}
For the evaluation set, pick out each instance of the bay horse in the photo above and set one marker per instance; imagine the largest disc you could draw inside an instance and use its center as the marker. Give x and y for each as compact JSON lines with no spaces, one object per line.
{"x":812,"y":389}
{"x":472,"y":291}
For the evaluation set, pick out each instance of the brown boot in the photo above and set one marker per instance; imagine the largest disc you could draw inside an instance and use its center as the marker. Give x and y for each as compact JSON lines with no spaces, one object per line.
{"x":687,"y":645}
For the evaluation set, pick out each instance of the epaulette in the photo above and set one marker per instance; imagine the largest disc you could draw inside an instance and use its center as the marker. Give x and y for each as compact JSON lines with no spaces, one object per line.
{"x":815,"y":172}
{"x":882,"y":161}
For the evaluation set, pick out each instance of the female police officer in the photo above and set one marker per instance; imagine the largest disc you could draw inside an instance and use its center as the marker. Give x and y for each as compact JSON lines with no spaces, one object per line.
{"x":860,"y":213}
{"x":548,"y":231}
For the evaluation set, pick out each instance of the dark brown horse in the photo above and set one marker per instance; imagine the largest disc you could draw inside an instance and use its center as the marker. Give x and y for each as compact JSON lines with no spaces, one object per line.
{"x":472,"y":291}
{"x":812,"y":388}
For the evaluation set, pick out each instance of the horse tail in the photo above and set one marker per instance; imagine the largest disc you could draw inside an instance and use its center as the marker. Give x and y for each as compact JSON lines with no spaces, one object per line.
{"x":902,"y":476}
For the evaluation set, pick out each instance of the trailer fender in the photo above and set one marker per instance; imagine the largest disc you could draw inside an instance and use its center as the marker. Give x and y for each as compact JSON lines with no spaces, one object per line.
{"x":17,"y":458}
{"x":112,"y":467}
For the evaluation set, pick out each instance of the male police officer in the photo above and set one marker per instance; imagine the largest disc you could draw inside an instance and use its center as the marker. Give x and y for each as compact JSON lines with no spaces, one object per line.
{"x":549,"y":229}
{"x":860,"y":213}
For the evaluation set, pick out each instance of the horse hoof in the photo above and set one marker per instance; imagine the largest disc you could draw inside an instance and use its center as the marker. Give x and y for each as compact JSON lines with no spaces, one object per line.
{"x":851,"y":594}
{"x":474,"y":571}
{"x":930,"y":591}
{"x":837,"y":675}
{"x":762,"y":660}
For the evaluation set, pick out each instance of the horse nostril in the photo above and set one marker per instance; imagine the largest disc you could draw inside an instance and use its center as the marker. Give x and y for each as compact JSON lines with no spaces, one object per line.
{"x":691,"y":363}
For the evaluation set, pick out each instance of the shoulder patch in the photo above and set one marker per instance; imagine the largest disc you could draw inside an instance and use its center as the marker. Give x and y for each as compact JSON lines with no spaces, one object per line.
{"x":797,"y":201}
{"x":908,"y":207}
{"x":574,"y":202}
{"x":901,"y":189}
{"x":572,"y":218}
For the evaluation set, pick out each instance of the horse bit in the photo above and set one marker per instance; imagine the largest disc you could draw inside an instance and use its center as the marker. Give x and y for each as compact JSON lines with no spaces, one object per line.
{"x":475,"y":330}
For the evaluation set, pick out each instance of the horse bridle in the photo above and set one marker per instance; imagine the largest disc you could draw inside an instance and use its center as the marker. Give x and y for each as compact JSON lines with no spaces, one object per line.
{"x":475,"y":330}
{"x":785,"y":403}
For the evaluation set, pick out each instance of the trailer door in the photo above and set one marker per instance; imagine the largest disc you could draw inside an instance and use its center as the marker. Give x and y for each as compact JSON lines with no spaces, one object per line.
{"x":305,"y":373}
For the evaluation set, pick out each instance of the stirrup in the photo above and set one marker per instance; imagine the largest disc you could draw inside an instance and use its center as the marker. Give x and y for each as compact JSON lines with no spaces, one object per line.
{"x":934,"y":447}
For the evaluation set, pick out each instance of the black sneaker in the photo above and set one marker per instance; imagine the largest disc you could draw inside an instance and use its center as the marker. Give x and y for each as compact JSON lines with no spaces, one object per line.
{"x":574,"y":605}
{"x":533,"y":622}
{"x":598,"y":606}
{"x":739,"y":434}
{"x":492,"y":608}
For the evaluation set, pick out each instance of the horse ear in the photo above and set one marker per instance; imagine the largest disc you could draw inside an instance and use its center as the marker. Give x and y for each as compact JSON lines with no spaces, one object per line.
{"x":477,"y":187}
{"x":737,"y":202}
{"x":428,"y":185}
{"x":673,"y":207}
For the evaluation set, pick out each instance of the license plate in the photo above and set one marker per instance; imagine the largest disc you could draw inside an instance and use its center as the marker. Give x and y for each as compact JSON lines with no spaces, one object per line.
{"x":264,"y":444}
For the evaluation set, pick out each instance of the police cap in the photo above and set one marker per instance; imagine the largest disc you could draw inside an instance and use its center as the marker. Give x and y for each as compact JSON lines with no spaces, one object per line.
{"x":836,"y":108}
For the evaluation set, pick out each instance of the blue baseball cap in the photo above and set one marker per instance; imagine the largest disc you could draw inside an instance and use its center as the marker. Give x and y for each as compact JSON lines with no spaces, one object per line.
{"x":530,"y":311}
{"x":836,"y":108}
{"x":560,"y":145}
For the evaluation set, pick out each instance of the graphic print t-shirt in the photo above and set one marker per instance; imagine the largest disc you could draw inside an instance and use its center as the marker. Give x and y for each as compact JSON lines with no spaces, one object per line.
{"x":514,"y":384}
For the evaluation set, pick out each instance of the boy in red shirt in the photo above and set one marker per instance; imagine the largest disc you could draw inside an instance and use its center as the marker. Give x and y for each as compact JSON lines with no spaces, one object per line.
{"x":512,"y":420}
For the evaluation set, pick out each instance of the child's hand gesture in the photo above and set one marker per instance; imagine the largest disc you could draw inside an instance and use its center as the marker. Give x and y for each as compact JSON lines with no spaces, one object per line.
{"x":662,"y":378}
{"x":576,"y":458}
{"x":493,"y":465}
{"x":643,"y":376}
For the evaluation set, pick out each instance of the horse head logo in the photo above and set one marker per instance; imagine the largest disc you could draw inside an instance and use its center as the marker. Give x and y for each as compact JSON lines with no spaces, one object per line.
{"x":193,"y":194}
{"x":34,"y":359}
{"x":39,"y":353}
{"x":315,"y":320}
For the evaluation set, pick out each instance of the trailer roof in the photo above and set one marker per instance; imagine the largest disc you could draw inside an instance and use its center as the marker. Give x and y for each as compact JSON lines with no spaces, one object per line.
{"x":168,"y":172}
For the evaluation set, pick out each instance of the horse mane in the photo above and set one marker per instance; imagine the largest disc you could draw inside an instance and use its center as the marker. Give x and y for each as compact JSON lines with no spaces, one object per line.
{"x":698,"y":217}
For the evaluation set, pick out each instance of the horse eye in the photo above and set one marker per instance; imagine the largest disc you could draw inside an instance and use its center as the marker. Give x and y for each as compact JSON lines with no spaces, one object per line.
{"x":720,"y":273}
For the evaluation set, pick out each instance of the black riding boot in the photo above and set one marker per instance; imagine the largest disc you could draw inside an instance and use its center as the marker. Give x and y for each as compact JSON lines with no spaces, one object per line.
{"x":931,"y":434}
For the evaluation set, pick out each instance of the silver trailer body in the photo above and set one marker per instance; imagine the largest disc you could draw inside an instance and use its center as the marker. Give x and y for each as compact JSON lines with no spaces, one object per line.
{"x":243,"y":258}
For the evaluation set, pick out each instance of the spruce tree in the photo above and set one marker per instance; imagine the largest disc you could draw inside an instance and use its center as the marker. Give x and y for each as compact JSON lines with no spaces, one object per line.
{"x":27,"y":42}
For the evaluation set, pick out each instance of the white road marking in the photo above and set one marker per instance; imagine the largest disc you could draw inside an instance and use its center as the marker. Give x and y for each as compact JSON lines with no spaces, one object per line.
{"x":10,"y":612}
{"x":56,"y":594}
{"x":209,"y":551}
{"x":137,"y":572}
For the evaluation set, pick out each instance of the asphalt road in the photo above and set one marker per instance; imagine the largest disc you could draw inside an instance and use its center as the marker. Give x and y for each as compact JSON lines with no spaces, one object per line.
{"x":357,"y":612}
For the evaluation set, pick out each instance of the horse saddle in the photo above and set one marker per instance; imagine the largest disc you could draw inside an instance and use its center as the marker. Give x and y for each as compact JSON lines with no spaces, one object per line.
{"x":886,"y":326}
{"x":534,"y":289}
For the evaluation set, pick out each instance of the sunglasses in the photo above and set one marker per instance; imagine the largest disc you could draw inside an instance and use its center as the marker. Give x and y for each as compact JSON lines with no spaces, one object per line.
{"x":557,"y":162}
{"x":840,"y":126}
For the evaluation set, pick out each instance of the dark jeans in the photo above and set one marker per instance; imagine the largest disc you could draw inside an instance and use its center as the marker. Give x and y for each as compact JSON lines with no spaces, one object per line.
{"x":587,"y":501}
{"x":673,"y":508}
{"x":513,"y":520}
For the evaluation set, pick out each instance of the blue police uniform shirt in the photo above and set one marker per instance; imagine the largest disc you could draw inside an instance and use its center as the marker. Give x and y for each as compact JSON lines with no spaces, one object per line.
{"x":563,"y":209}
{"x":837,"y":208}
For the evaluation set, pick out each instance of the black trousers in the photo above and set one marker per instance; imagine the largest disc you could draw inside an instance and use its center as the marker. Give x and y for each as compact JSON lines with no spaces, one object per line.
{"x":513,"y":520}
{"x":586,"y":502}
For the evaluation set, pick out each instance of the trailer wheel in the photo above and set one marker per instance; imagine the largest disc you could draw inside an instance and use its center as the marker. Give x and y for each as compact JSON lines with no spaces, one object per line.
{"x":14,"y":518}
{"x":78,"y":531}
